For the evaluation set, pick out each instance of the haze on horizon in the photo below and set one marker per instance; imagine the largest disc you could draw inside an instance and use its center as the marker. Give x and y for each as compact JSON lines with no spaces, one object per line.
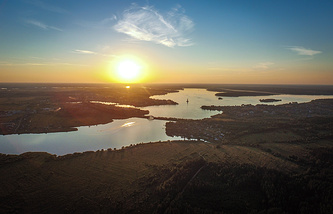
{"x":234,"y":42}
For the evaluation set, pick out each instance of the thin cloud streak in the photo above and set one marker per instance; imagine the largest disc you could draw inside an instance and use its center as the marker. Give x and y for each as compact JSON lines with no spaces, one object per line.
{"x":264,"y":65}
{"x":41,"y":25}
{"x":105,"y":23}
{"x":48,"y":7}
{"x":147,"y":24}
{"x":40,"y":64}
{"x":84,"y":52}
{"x":92,"y":53}
{"x":304,"y":51}
{"x":108,"y":20}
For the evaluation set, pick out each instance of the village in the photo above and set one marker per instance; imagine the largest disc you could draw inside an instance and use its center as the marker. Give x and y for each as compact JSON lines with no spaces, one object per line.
{"x":300,"y":121}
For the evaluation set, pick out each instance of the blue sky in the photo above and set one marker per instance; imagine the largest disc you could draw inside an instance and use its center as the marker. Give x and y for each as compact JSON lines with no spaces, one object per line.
{"x":279,"y":42}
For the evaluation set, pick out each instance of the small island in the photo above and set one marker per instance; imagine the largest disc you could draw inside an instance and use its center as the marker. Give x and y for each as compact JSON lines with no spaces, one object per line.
{"x":269,"y":100}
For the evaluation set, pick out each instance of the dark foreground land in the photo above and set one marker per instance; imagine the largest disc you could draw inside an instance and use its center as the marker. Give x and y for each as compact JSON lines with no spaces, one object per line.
{"x":172,"y":177}
{"x":251,"y":159}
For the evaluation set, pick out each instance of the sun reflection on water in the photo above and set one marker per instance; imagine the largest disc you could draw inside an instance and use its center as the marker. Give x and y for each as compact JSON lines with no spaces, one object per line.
{"x":129,"y":124}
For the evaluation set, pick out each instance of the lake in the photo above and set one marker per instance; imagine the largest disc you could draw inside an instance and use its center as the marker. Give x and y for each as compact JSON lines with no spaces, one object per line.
{"x":200,"y":97}
{"x":112,"y":135}
{"x":133,"y":130}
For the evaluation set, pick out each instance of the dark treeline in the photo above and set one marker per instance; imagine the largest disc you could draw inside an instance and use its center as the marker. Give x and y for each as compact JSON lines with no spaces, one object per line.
{"x":194,"y":185}
{"x":245,"y":188}
{"x":234,"y":188}
{"x":248,"y":189}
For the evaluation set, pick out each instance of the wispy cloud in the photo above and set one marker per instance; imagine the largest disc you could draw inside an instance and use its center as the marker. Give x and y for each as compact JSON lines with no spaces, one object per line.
{"x":4,"y":63}
{"x":84,"y":52}
{"x":39,"y":64}
{"x":148,"y":24}
{"x":108,"y":20}
{"x":233,"y":70}
{"x":106,"y":23}
{"x":47,"y":6}
{"x":92,"y":53}
{"x":303,"y":51}
{"x":37,"y":61}
{"x":41,"y":25}
{"x":263,"y":65}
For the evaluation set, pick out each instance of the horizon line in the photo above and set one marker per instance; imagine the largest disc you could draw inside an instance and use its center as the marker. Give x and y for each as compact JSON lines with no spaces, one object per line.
{"x":170,"y":83}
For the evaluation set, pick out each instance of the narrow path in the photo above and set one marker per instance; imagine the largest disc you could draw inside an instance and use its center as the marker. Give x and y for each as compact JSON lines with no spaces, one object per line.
{"x":179,"y":194}
{"x":18,"y":126}
{"x":183,"y":190}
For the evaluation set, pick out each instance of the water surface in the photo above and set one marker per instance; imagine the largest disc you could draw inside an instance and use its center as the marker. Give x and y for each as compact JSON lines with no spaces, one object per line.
{"x":112,"y":135}
{"x":200,"y":97}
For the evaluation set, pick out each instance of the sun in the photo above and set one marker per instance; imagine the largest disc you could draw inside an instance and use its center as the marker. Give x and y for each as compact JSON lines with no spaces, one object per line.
{"x":128,"y":70}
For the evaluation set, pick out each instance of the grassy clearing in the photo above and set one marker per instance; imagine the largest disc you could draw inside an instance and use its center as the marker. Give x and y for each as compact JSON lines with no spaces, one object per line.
{"x":276,"y":136}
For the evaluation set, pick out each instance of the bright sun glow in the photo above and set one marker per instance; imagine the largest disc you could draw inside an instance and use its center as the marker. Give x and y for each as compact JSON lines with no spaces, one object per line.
{"x":128,"y":71}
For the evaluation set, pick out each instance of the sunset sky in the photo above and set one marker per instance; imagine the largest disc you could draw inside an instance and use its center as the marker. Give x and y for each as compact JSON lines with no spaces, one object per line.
{"x":265,"y":42}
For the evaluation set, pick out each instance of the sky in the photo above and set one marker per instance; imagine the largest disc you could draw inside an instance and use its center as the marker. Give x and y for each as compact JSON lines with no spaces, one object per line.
{"x":216,"y":41}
